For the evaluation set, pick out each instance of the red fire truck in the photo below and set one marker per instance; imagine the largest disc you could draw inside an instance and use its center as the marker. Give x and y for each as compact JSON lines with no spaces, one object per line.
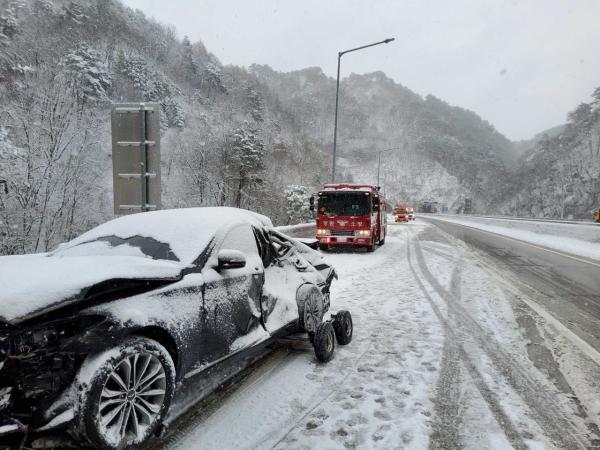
{"x":401,"y":214}
{"x":350,"y":214}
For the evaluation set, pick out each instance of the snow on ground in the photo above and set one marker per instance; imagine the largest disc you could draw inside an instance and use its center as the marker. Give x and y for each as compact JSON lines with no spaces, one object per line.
{"x":439,"y":360}
{"x":577,"y":239}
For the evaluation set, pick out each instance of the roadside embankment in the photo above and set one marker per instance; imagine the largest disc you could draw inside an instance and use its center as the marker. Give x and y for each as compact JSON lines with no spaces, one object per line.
{"x":581,"y":239}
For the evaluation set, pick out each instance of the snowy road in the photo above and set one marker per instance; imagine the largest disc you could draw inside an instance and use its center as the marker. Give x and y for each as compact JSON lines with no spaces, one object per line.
{"x":449,"y":352}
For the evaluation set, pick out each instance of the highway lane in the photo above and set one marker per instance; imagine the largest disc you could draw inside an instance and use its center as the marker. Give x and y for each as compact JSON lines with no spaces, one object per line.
{"x":566,"y":286}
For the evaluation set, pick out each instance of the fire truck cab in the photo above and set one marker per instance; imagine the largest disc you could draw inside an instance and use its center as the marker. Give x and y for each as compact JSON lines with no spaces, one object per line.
{"x":350,"y":215}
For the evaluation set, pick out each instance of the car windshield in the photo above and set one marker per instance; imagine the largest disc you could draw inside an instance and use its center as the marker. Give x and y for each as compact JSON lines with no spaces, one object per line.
{"x":116,"y":246}
{"x":344,"y":204}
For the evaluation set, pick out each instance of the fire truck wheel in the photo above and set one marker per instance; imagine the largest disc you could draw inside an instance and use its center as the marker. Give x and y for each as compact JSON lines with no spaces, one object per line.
{"x":324,"y":247}
{"x":371,"y":248}
{"x":381,"y":242}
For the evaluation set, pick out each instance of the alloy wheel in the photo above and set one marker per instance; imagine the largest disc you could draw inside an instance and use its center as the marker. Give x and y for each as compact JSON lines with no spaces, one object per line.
{"x":132,"y":397}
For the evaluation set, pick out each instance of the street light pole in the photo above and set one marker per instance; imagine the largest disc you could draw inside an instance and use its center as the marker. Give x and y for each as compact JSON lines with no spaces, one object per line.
{"x":378,"y":166}
{"x":337,"y":96}
{"x":337,"y":99}
{"x":379,"y":160}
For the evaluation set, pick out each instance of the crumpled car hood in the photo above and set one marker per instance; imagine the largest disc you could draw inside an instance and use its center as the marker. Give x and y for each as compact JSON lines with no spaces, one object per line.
{"x":34,"y":284}
{"x":314,"y":258}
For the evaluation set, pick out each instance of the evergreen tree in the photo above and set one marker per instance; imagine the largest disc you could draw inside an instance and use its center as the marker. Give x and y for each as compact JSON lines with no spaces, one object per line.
{"x":248,"y":162}
{"x":190,"y":68}
{"x":297,"y":207}
{"x":90,"y":75}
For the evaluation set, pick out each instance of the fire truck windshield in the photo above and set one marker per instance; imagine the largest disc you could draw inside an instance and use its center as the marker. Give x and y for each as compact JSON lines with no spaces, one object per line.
{"x":344,"y":204}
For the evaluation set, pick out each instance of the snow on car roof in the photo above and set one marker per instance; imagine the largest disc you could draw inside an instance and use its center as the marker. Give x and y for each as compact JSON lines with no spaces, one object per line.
{"x":187,"y":230}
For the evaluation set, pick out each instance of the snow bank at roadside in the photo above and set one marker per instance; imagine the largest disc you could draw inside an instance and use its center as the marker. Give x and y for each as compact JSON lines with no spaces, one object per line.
{"x":298,"y":230}
{"x":582,"y":240}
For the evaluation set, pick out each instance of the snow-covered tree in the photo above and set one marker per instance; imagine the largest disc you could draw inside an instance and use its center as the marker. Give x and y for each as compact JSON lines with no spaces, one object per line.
{"x":297,"y":206}
{"x":46,"y":160}
{"x":90,"y":75}
{"x":247,"y":162}
{"x":74,"y":12}
{"x":256,"y":105}
{"x":154,"y":87}
{"x":189,"y":66}
{"x":211,"y":81}
{"x":8,"y":21}
{"x":173,"y":115}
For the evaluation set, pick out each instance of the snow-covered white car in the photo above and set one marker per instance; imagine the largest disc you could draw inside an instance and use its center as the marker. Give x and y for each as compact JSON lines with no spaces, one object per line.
{"x":96,"y":336}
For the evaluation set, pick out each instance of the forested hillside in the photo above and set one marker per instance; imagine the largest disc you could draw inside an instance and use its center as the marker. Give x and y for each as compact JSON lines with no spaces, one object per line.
{"x":429,"y":148}
{"x":254,"y":138}
{"x":226,"y":140}
{"x":559,"y":174}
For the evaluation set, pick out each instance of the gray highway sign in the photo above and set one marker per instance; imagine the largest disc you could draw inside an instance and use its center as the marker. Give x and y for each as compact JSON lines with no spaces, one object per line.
{"x":136,"y":157}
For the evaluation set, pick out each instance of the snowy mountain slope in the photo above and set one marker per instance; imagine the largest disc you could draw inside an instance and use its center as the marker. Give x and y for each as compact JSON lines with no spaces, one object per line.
{"x":559,"y":176}
{"x":377,"y":114}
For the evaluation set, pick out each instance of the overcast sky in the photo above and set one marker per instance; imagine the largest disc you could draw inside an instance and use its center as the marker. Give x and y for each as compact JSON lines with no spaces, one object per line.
{"x":521,"y":65}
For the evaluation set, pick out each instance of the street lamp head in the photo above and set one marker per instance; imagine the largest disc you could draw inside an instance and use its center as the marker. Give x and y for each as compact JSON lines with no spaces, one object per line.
{"x":388,"y":40}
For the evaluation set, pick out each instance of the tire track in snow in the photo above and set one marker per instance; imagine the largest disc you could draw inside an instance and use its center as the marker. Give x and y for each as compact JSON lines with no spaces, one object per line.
{"x":527,"y":307}
{"x":559,"y":429}
{"x":447,"y":424}
{"x":487,"y":394}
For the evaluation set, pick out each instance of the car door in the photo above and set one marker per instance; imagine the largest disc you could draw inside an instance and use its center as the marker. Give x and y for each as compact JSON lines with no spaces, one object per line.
{"x":230,"y":316}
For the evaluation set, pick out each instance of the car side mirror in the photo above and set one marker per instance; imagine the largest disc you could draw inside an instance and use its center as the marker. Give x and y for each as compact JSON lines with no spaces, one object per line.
{"x":231,"y":259}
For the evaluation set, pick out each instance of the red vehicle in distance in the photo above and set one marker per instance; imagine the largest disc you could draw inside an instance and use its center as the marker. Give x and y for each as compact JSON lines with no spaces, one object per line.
{"x":401,"y":214}
{"x":350,"y":215}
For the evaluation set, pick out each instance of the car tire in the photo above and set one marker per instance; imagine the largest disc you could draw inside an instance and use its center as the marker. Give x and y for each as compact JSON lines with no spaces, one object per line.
{"x":121,"y":411}
{"x":324,"y":342}
{"x":311,"y":308}
{"x":343,"y":327}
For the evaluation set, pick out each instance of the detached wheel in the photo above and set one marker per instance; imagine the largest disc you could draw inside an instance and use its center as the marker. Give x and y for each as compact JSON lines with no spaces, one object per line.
{"x":343,"y":327}
{"x":127,"y":393}
{"x":324,"y":342}
{"x":311,"y":308}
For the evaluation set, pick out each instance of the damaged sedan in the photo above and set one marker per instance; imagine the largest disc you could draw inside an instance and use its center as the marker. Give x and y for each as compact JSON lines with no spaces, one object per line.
{"x":98,"y":335}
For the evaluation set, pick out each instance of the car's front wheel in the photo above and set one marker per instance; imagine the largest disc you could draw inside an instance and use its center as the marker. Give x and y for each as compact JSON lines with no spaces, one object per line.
{"x":125,"y":393}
